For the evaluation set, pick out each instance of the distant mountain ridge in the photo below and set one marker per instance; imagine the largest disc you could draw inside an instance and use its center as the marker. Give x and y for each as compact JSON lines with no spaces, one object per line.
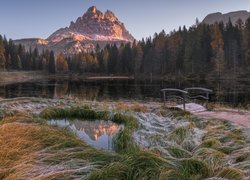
{"x":84,"y":34}
{"x":219,"y":17}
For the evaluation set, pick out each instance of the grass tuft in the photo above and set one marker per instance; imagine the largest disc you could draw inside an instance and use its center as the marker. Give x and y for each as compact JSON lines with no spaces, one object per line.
{"x":231,"y":174}
{"x":78,"y":112}
{"x":212,"y":157}
{"x":133,"y":107}
{"x":178,"y":152}
{"x":124,"y":140}
{"x":145,"y":165}
{"x":194,"y":168}
{"x":236,"y":134}
{"x":115,"y":170}
{"x":177,"y":112}
{"x":135,"y":165}
{"x":128,"y":121}
{"x":242,"y":157}
{"x":211,"y":143}
{"x":188,"y":145}
{"x":178,"y":135}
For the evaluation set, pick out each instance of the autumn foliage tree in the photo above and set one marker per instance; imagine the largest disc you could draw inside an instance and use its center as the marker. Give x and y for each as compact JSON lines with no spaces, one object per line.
{"x":61,"y":64}
{"x":216,"y":50}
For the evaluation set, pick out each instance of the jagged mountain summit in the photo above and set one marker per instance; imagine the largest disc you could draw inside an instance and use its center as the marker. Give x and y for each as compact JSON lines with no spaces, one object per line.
{"x":219,"y":17}
{"x":83,"y":34}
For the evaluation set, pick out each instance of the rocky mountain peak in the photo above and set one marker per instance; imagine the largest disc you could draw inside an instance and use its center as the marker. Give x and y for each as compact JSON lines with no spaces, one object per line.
{"x":83,"y":34}
{"x":110,"y":16}
{"x":92,"y":10}
{"x":233,"y":16}
{"x":91,"y":13}
{"x":99,"y":26}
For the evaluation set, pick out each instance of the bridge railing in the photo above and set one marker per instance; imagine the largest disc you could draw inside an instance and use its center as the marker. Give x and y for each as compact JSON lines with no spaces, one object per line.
{"x":198,"y":92}
{"x":187,"y":93}
{"x":168,"y":94}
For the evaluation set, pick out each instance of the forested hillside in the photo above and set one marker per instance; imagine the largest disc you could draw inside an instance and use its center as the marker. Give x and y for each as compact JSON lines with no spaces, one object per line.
{"x":202,"y":49}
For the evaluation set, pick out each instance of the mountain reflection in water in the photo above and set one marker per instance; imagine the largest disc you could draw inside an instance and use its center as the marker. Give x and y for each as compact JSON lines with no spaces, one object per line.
{"x":229,"y":92}
{"x":99,"y":134}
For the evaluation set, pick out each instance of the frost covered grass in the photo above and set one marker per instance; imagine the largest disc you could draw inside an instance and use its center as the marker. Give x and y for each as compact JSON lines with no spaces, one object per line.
{"x":169,"y":145}
{"x":124,"y":140}
{"x":84,"y":112}
{"x":131,"y":107}
{"x":26,"y":145}
{"x":217,"y":148}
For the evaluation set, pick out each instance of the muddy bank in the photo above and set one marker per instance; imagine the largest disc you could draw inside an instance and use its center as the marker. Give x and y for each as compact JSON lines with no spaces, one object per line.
{"x":21,"y":76}
{"x":31,"y":76}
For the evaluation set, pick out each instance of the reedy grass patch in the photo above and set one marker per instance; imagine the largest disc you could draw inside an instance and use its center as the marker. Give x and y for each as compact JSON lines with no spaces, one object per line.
{"x":22,"y":140}
{"x":242,"y":157}
{"x":178,"y":135}
{"x":131,"y":107}
{"x":84,"y":112}
{"x":211,"y":143}
{"x":215,"y":159}
{"x":177,"y":112}
{"x":186,"y":160}
{"x":194,"y":167}
{"x":135,"y":165}
{"x":231,"y":174}
{"x":178,"y":152}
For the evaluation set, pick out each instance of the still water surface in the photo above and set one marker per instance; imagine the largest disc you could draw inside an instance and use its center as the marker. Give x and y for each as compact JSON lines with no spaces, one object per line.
{"x":99,"y":134}
{"x":231,"y":92}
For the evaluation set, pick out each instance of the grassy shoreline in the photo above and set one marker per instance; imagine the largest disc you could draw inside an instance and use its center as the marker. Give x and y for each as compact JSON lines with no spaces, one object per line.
{"x":32,"y":149}
{"x":23,"y":76}
{"x":20,"y":76}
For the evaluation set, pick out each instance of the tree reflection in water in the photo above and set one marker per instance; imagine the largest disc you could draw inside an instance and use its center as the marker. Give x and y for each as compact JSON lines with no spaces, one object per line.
{"x":233,"y":92}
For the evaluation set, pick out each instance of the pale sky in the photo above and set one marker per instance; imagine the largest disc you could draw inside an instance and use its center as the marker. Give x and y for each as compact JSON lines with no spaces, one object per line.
{"x":40,"y":18}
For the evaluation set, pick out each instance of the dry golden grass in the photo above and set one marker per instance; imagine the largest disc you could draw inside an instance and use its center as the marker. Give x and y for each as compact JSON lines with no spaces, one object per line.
{"x":29,"y":149}
{"x":22,"y":142}
{"x":131,"y":107}
{"x":17,"y":145}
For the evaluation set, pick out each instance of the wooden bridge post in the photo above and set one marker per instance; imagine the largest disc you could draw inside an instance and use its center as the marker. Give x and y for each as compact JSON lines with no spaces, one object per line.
{"x":182,"y":96}
{"x":184,"y":102}
{"x":164,"y":97}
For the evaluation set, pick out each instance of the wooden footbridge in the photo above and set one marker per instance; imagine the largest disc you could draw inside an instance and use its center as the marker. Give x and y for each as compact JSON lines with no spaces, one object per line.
{"x":186,"y":94}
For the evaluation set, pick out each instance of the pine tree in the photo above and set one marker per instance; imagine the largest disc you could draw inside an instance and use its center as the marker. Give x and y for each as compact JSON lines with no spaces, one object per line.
{"x":147,"y":57}
{"x":137,"y":57}
{"x":159,"y":43}
{"x":247,"y":42}
{"x":2,"y":55}
{"x":105,"y":59}
{"x":82,"y":63}
{"x":113,"y":52}
{"x":217,"y":45}
{"x":18,"y":63}
{"x":52,"y":63}
{"x":75,"y":63}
